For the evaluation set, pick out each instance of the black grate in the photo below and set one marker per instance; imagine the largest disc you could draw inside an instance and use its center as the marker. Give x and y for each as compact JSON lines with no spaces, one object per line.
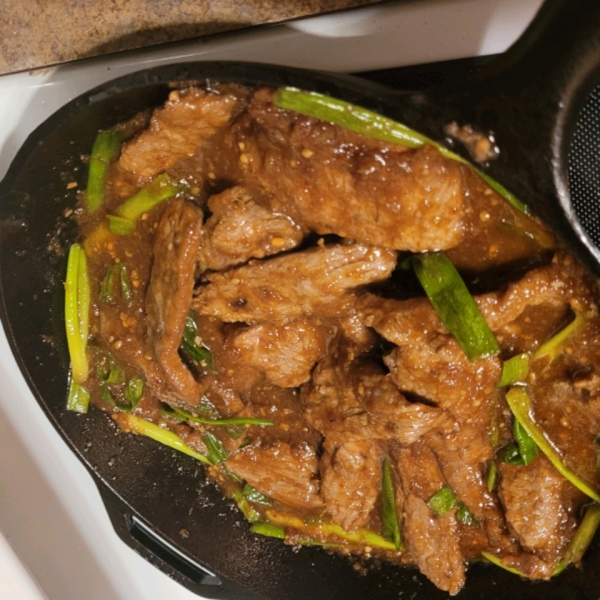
{"x":584,"y":167}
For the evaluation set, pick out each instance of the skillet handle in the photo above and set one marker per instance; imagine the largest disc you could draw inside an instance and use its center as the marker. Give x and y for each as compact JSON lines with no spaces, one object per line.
{"x":529,"y":98}
{"x":159,"y":552}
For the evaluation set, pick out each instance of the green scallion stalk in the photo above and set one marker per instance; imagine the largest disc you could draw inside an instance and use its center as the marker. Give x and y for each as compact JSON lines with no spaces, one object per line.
{"x":454,"y":305}
{"x":77,"y":305}
{"x":253,"y":495}
{"x":120,"y":225}
{"x":79,"y":398}
{"x":190,"y":345}
{"x":184,"y":415}
{"x":465,"y":516}
{"x":116,"y":278}
{"x":584,"y":535}
{"x":443,"y":501}
{"x":161,"y":188}
{"x":105,"y":148}
{"x":268,"y":530}
{"x":511,"y":455}
{"x":389,"y":516}
{"x":375,"y":126}
{"x":492,"y":476}
{"x":247,"y":509}
{"x":496,"y":560}
{"x":134,"y":390}
{"x":515,"y":370}
{"x":163,"y":436}
{"x":215,"y":450}
{"x":527,"y":447}
{"x":520,"y":405}
{"x":551,"y":349}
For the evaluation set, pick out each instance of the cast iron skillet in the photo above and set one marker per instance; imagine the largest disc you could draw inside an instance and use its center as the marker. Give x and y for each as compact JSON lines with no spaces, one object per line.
{"x":158,"y":500}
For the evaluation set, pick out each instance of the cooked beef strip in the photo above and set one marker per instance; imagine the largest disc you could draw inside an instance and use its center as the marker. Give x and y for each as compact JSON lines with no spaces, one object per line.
{"x":315,"y":282}
{"x":335,"y":181}
{"x":539,"y":507}
{"x":285,"y":473}
{"x":188,"y":119}
{"x":560,"y":284}
{"x":351,"y":400}
{"x":434,"y":542}
{"x":351,"y":480}
{"x":433,"y":366}
{"x":240,"y":229}
{"x":169,"y":295}
{"x":285,"y":353}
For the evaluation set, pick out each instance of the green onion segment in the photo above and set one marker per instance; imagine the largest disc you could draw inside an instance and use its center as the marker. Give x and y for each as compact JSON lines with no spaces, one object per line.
{"x":454,"y":305}
{"x":115,"y":280}
{"x":183,"y":415}
{"x":443,"y":501}
{"x":515,"y":370}
{"x":215,"y":450}
{"x":253,"y":495}
{"x":520,"y":405}
{"x":161,"y":435}
{"x":161,"y":188}
{"x":527,"y":447}
{"x":77,"y":306}
{"x":192,"y":346}
{"x":552,"y":347}
{"x":391,"y":527}
{"x":78,"y":399}
{"x":268,"y":530}
{"x":104,"y":149}
{"x":375,"y":126}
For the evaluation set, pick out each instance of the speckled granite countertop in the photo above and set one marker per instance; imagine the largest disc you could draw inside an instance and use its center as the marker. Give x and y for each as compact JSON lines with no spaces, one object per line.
{"x":38,"y":33}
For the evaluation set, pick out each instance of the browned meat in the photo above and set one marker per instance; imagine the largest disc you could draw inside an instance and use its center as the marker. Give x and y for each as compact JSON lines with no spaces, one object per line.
{"x":187,"y":120}
{"x":560,"y":284}
{"x":285,"y":353}
{"x":534,"y":500}
{"x":314,"y":282}
{"x":338,"y":182}
{"x":240,"y":229}
{"x":285,"y":473}
{"x":351,"y":481}
{"x":467,"y":391}
{"x":433,"y":542}
{"x":354,"y":400}
{"x":169,"y":295}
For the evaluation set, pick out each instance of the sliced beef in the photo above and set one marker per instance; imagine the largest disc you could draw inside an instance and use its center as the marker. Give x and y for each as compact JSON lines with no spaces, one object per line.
{"x":169,"y":295}
{"x":240,"y":229}
{"x":285,"y":473}
{"x":187,"y":119}
{"x":351,"y":481}
{"x":314,"y":282}
{"x":336,"y":181}
{"x":285,"y":353}
{"x":434,"y":542}
{"x":561,"y":284}
{"x":352,"y":399}
{"x":539,"y":509}
{"x":467,"y":391}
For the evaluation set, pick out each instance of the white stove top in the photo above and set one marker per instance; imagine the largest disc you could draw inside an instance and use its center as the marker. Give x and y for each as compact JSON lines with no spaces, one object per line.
{"x":61,"y":545}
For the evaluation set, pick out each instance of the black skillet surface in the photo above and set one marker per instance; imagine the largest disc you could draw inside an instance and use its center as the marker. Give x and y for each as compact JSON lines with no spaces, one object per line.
{"x":158,"y":500}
